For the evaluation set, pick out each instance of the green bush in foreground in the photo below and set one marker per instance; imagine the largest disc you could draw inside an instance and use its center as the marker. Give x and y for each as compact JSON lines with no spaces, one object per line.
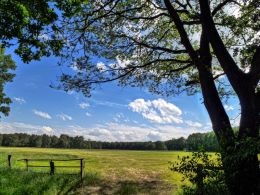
{"x":204,"y":172}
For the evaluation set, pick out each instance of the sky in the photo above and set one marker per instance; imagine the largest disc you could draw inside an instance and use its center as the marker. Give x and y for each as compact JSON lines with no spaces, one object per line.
{"x":112,"y":113}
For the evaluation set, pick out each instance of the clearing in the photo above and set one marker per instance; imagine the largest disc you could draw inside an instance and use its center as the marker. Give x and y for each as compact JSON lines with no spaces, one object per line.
{"x":106,"y":172}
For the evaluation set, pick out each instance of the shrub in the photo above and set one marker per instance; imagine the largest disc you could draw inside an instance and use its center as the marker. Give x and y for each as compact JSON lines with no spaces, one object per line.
{"x":203,"y":171}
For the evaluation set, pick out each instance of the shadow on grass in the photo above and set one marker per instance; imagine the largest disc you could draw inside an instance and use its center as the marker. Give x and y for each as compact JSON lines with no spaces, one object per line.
{"x":23,"y":183}
{"x":94,"y":184}
{"x":17,"y":182}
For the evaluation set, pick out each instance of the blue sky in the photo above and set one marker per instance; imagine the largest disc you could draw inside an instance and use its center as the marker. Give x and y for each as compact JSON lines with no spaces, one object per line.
{"x":111,"y":114}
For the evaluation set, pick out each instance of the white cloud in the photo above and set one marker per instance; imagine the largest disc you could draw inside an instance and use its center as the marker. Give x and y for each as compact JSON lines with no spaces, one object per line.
{"x":228,"y":107}
{"x":157,"y":111}
{"x":64,"y":117}
{"x":235,"y":122}
{"x":193,"y":124}
{"x":84,"y":105}
{"x":19,"y":100}
{"x":42,"y":114}
{"x":122,"y":63}
{"x":107,"y":103}
{"x":101,"y":66}
{"x":44,"y":37}
{"x":17,"y":127}
{"x":154,"y":136}
{"x":106,"y":131}
{"x":120,"y":117}
{"x":87,"y":114}
{"x":47,"y":129}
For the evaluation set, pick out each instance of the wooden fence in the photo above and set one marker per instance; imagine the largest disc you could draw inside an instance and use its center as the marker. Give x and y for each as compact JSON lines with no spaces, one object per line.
{"x":52,"y":165}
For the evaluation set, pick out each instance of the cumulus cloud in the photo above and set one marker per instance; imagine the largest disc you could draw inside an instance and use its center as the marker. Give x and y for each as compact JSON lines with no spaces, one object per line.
{"x":193,"y":124}
{"x":19,"y":100}
{"x":228,"y":107}
{"x":106,"y":131}
{"x":120,"y":117}
{"x":122,"y":63}
{"x":84,"y":105}
{"x":87,"y":114}
{"x":157,"y":111}
{"x":64,"y":117}
{"x":17,"y":127}
{"x":101,"y":66}
{"x":42,"y":114}
{"x":154,"y":136}
{"x":47,"y":129}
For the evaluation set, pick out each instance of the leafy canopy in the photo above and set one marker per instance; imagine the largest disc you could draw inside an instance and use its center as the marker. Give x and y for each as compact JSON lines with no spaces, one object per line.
{"x":141,"y":46}
{"x":6,"y":64}
{"x":29,"y":26}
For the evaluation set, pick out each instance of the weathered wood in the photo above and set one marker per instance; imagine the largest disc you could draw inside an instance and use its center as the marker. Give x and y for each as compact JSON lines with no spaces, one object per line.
{"x":81,"y":169}
{"x":55,"y":166}
{"x":43,"y":159}
{"x":9,"y":161}
{"x":27,"y":166}
{"x":52,"y":167}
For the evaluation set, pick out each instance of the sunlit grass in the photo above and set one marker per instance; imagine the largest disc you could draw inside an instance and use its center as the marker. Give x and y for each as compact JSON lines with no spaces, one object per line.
{"x":110,"y":170}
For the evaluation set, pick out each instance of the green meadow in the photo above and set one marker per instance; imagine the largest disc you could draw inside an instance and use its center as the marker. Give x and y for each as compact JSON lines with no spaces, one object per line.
{"x":105,"y":172}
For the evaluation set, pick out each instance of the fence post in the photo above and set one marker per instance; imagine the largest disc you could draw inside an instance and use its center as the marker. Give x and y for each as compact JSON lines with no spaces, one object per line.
{"x":27,"y":166}
{"x":9,"y":161}
{"x":81,"y":170}
{"x":52,"y":167}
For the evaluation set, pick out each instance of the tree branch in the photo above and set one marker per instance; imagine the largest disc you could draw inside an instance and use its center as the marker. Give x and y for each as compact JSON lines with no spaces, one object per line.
{"x":153,"y":47}
{"x":255,"y":67}
{"x":183,"y":34}
{"x":221,"y":5}
{"x":234,"y":74}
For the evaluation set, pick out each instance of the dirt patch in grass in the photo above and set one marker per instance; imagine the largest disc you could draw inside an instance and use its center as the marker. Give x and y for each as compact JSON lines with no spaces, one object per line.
{"x":116,"y":185}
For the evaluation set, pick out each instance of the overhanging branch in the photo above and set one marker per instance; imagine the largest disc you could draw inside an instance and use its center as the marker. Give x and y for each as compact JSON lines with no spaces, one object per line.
{"x":255,"y":67}
{"x":183,"y":34}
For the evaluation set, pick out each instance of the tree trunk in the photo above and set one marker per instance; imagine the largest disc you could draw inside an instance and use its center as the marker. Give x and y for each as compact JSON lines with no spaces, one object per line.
{"x":239,"y":159}
{"x":241,"y":171}
{"x":241,"y":164}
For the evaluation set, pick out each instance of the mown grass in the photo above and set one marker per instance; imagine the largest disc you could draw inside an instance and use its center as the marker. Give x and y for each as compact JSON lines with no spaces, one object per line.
{"x":19,"y":182}
{"x":106,"y":172}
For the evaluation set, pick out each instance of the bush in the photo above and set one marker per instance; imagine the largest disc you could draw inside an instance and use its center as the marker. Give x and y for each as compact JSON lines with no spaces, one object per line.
{"x":203,"y":171}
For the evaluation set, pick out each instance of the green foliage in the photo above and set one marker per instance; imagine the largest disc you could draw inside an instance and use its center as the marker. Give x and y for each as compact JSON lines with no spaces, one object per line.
{"x":6,"y":64}
{"x":203,"y":171}
{"x":28,"y":24}
{"x":141,"y":45}
{"x":194,"y":142}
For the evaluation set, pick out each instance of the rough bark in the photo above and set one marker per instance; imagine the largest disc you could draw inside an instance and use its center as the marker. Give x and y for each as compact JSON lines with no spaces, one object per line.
{"x":240,"y":161}
{"x":240,"y":164}
{"x":213,"y":104}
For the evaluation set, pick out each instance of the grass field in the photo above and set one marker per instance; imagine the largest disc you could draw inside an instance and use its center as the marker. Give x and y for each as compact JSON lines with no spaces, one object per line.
{"x":106,"y":172}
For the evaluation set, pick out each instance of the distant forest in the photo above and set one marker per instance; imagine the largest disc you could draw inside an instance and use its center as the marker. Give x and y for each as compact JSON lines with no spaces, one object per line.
{"x":193,"y":142}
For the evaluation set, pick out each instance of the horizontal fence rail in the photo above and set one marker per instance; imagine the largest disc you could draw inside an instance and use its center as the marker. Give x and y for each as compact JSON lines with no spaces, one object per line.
{"x":51,"y":165}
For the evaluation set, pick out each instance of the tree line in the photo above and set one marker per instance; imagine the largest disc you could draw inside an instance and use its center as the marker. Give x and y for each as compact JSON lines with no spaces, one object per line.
{"x":193,"y":142}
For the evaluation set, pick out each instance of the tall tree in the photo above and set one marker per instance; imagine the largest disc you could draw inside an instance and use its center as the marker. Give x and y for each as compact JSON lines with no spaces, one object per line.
{"x":171,"y":46}
{"x":6,"y":64}
{"x":25,"y":25}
